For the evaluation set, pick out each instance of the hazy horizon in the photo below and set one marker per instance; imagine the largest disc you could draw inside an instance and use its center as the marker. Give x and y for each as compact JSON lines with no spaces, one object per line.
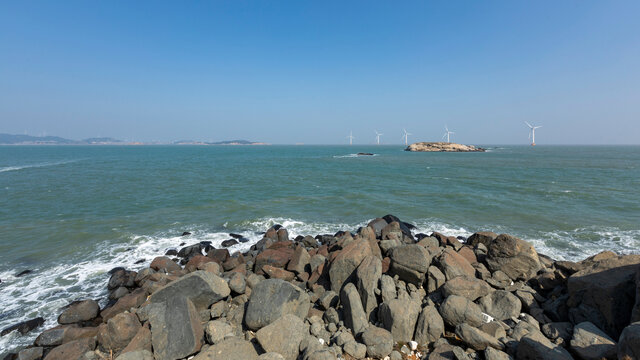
{"x":292,"y":72}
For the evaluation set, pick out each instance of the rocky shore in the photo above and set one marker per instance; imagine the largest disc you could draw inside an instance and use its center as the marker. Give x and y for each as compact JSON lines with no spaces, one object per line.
{"x":379,"y":292}
{"x":442,"y":147}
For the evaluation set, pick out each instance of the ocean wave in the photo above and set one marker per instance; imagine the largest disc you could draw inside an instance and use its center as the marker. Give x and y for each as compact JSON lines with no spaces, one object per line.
{"x":355,"y":155}
{"x":21,"y":167}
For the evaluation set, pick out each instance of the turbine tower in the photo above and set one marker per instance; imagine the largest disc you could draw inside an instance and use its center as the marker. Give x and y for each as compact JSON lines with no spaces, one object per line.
{"x":406,"y":137}
{"x":532,"y":133}
{"x":350,"y":137}
{"x":378,"y":136}
{"x":447,"y":134}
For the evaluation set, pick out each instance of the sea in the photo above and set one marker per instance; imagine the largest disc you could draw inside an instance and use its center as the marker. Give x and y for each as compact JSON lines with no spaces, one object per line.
{"x":71,"y":213}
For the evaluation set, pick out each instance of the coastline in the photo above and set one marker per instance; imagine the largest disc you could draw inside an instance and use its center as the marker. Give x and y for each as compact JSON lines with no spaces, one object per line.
{"x":351,"y":290}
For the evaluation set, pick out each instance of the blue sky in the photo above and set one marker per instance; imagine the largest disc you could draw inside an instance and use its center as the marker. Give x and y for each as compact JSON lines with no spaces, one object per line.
{"x":296,"y":71}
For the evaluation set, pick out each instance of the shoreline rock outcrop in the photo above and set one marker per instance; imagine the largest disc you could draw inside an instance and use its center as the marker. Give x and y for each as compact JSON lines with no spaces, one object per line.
{"x":380,"y":292}
{"x":442,"y":147}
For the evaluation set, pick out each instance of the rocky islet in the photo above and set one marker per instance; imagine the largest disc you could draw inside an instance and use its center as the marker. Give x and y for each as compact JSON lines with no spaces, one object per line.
{"x":379,"y":292}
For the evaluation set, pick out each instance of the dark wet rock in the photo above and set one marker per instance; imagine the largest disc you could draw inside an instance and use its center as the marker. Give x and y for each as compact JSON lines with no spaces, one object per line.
{"x":24,"y":272}
{"x":377,"y":225}
{"x":230,"y":242}
{"x":354,"y":316}
{"x":164,"y":264}
{"x":190,"y":251}
{"x":232,"y":348}
{"x":79,"y":311}
{"x":379,"y":342}
{"x":171,"y":252}
{"x":186,"y":233}
{"x":469,"y":287}
{"x":513,"y":256}
{"x":219,"y":255}
{"x":122,"y":278}
{"x":410,"y":263}
{"x":456,"y":310}
{"x":629,"y":342}
{"x":399,"y":316}
{"x":604,"y":292}
{"x":283,"y":336}
{"x":23,"y":327}
{"x":429,"y":326}
{"x":591,"y":343}
{"x":271,"y":299}
{"x":176,"y":331}
{"x":482,"y":237}
{"x":201,"y":287}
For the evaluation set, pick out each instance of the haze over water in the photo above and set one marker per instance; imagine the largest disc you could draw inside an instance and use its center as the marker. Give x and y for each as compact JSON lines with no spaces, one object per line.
{"x":71,"y":213}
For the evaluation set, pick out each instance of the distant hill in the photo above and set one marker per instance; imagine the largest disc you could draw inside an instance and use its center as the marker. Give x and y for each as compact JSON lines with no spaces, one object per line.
{"x":101,"y":140}
{"x":8,"y":139}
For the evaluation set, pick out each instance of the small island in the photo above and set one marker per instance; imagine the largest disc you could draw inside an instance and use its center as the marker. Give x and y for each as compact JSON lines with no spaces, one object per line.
{"x":442,"y":147}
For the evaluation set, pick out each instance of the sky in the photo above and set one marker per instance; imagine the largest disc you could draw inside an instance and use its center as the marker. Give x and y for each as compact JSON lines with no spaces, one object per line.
{"x":288,"y":72}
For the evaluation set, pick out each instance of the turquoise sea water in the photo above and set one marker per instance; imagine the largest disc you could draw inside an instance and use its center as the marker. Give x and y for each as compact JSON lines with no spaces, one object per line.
{"x":71,"y":213}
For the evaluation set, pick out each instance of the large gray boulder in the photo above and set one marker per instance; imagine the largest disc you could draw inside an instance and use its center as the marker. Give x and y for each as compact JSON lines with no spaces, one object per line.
{"x":283,"y":336}
{"x":354,"y":315}
{"x":456,"y":310}
{"x":629,"y":342}
{"x":469,"y":287}
{"x":176,"y":331}
{"x":515,"y":257}
{"x":410,"y":263}
{"x":344,"y":265}
{"x":603,"y":292}
{"x":453,"y":265}
{"x":535,"y":346}
{"x":367,"y":278}
{"x":232,"y":348}
{"x":501,"y":304}
{"x":202,"y":288}
{"x":379,"y":342}
{"x":79,"y":311}
{"x":591,"y":343}
{"x":430,"y":325}
{"x":273,"y":298}
{"x":399,"y":316}
{"x":476,"y":339}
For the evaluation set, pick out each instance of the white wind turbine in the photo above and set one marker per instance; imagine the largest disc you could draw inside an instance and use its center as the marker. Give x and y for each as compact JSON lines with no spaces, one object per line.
{"x":447,"y":134}
{"x":378,"y":136}
{"x":351,"y":137}
{"x":406,"y":137}
{"x":532,"y":133}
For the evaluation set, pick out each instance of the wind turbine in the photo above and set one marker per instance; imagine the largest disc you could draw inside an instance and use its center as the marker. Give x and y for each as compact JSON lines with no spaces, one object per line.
{"x":406,"y":137}
{"x":532,"y":133}
{"x":378,"y":136}
{"x":350,"y":137}
{"x":447,"y":134}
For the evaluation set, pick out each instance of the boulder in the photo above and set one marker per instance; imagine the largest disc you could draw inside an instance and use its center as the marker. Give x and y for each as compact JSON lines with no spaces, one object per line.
{"x":453,"y":265}
{"x":379,"y":342}
{"x":220,"y":256}
{"x":410,"y":263}
{"x":283,"y":336}
{"x":493,"y":354}
{"x":176,"y":331}
{"x":387,"y":288}
{"x":202,"y":288}
{"x":299,"y":262}
{"x":237,"y":283}
{"x":399,"y":316}
{"x":116,"y":334}
{"x":277,"y":273}
{"x":435,"y":279}
{"x":603,"y":292}
{"x":368,"y":276}
{"x":140,"y":342}
{"x":23,"y":327}
{"x":271,"y":299}
{"x":554,"y":330}
{"x":377,"y":225}
{"x":629,"y":342}
{"x":456,"y":310}
{"x":430,"y":326}
{"x":501,"y":305}
{"x":278,"y":257}
{"x":591,"y":343}
{"x":344,"y":265}
{"x":34,"y":353}
{"x":78,"y":311}
{"x":355,"y":350}
{"x":469,"y":287}
{"x":515,"y":257}
{"x":232,"y":348}
{"x":535,"y":347}
{"x":354,"y":315}
{"x":131,"y":300}
{"x":122,"y":278}
{"x":482,"y":237}
{"x":71,"y":350}
{"x":164,"y":264}
{"x":217,"y":330}
{"x":476,"y":339}
{"x":136,"y":355}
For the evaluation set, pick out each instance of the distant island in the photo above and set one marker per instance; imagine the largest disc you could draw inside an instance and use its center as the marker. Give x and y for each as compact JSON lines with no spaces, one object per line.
{"x":9,"y":139}
{"x":442,"y":147}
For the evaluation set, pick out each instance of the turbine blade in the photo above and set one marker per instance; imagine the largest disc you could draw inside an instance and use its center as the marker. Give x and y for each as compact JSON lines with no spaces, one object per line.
{"x":529,"y":125}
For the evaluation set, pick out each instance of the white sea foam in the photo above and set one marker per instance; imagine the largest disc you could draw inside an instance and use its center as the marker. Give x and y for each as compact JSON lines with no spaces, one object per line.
{"x":352,"y":156}
{"x":29,"y":166}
